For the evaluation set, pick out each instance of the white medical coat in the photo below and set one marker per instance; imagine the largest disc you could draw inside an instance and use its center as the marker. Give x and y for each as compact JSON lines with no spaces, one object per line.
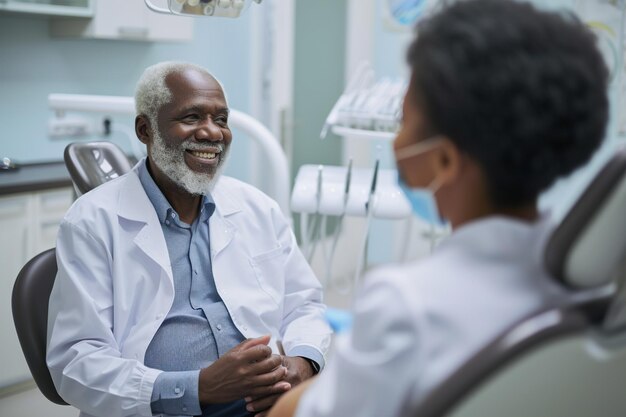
{"x":114,"y":287}
{"x":416,"y":323}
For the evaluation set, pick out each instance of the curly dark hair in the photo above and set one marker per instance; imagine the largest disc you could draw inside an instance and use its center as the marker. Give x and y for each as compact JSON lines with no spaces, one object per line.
{"x":521,"y":91}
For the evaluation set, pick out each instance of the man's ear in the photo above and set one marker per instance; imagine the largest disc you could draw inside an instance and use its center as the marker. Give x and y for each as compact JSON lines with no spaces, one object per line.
{"x":447,"y":162}
{"x":143,"y":130}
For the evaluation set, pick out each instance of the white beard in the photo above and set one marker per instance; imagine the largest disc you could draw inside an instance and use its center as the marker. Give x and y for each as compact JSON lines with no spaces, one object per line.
{"x":170,"y":160}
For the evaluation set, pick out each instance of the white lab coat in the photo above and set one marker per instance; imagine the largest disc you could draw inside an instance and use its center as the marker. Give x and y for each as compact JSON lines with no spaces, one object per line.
{"x":114,"y":287}
{"x":416,"y":323}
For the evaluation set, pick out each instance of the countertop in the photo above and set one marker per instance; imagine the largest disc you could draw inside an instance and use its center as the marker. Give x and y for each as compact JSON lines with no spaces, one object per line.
{"x":34,"y":177}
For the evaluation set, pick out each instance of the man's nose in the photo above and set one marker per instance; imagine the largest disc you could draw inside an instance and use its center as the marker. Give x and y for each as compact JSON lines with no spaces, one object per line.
{"x":209,"y":130}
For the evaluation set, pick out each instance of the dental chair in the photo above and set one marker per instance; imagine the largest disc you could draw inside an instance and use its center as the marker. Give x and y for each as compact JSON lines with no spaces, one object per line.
{"x":93,"y":163}
{"x":569,"y":359}
{"x":90,"y":164}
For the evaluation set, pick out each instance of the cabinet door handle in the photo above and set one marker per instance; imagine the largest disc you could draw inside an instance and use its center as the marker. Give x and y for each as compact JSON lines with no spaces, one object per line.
{"x":132,"y":32}
{"x":26,"y":255}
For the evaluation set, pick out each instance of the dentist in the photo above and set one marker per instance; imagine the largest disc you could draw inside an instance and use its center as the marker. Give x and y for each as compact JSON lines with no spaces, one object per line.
{"x":172,"y":278}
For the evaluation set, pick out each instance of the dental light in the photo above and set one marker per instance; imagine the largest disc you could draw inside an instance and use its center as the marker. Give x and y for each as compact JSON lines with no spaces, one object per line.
{"x":215,"y":8}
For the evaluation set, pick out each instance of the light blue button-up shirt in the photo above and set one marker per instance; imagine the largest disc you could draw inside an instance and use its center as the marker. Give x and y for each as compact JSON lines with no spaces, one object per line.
{"x":198,"y":329}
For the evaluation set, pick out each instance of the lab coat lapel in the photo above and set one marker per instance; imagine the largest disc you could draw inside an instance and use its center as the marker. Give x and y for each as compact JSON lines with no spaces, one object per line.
{"x":222,"y":231}
{"x":135,"y":206}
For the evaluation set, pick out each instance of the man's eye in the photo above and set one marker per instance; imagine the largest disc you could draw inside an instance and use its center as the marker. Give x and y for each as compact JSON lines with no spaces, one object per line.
{"x":221,"y":120}
{"x":191,"y":118}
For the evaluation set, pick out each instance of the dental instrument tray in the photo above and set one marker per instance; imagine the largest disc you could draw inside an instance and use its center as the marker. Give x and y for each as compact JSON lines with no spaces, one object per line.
{"x":328,"y":198}
{"x":367,"y":109}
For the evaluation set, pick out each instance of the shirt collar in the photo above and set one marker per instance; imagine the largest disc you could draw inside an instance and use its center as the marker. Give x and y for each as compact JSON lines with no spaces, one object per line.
{"x":162,"y":207}
{"x":504,"y":236}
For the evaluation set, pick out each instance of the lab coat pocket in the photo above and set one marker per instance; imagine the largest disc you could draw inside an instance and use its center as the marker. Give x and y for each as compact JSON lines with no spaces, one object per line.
{"x":269,"y":268}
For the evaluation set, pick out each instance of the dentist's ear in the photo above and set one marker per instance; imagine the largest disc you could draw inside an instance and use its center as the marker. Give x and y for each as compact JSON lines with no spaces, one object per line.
{"x":143,"y":129}
{"x":446,"y":162}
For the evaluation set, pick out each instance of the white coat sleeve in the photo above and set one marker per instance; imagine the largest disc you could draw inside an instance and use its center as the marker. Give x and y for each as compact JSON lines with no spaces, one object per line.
{"x":83,"y":355}
{"x":374,"y":366}
{"x":304,"y":323}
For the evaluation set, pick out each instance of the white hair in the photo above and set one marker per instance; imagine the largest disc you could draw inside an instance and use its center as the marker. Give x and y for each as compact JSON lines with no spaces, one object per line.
{"x":152,"y":91}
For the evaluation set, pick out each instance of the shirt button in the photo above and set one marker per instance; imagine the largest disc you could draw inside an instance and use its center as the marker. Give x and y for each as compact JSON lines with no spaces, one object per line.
{"x":176,"y":390}
{"x":219,"y":327}
{"x":173,"y":215}
{"x":158,"y":316}
{"x":184,"y":408}
{"x":167,"y":222}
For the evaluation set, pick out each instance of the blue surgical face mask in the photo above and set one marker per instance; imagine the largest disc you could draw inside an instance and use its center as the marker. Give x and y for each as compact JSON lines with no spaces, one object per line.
{"x":423,"y":203}
{"x":422,"y":200}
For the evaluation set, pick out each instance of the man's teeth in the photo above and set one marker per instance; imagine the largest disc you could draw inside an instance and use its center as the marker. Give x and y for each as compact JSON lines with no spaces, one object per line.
{"x":204,"y":155}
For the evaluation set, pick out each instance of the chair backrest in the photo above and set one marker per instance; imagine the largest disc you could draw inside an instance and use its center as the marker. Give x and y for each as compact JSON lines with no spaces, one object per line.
{"x":91,"y":164}
{"x":567,"y":376}
{"x":29,"y":302}
{"x":570,"y":358}
{"x":590,"y":242}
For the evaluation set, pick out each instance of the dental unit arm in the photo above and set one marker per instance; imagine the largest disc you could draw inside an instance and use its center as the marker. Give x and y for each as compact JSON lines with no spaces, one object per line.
{"x":203,"y":8}
{"x":369,"y":210}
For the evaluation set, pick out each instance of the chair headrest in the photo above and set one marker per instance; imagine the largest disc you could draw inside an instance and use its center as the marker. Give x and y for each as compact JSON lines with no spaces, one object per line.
{"x":589,"y":246}
{"x":93,"y":163}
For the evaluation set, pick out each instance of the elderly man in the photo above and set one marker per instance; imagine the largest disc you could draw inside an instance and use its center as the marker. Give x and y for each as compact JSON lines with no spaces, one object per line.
{"x":175,"y":283}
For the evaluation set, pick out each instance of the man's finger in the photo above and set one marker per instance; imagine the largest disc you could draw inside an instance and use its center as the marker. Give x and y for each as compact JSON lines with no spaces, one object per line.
{"x":272,"y":377}
{"x":248,"y":343}
{"x":266,"y":365}
{"x":260,"y":392}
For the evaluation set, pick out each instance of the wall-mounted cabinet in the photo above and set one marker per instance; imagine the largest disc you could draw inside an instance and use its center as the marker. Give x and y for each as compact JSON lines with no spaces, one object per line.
{"x":128,"y":20}
{"x":72,"y":8}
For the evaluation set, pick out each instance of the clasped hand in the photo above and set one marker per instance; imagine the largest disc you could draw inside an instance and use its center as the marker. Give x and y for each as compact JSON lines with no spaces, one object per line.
{"x":251,"y":371}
